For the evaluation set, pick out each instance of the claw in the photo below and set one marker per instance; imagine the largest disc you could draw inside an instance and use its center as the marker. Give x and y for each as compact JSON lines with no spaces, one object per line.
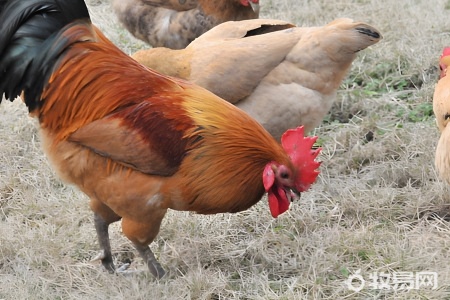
{"x":99,"y":256}
{"x":123,"y":268}
{"x":157,"y":271}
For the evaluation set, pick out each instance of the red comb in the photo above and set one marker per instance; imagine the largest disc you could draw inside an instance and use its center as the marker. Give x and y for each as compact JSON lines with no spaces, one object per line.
{"x":446,"y":52}
{"x":298,"y":147}
{"x":444,"y":62}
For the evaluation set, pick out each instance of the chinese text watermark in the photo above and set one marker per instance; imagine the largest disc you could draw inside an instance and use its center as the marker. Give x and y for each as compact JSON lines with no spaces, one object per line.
{"x":393,"y":281}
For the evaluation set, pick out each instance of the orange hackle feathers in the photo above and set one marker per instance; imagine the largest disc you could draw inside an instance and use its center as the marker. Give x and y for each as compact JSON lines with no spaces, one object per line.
{"x":80,"y":67}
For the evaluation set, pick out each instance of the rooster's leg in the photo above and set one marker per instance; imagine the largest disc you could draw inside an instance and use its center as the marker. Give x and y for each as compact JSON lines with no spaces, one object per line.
{"x":142,"y":234}
{"x":152,"y":263}
{"x":103,"y":216}
{"x":101,"y":226}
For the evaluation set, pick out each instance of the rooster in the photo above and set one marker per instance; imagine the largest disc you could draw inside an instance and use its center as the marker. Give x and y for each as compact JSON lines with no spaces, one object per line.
{"x":175,"y":23}
{"x":140,"y":144}
{"x":441,"y":108}
{"x":293,"y":74}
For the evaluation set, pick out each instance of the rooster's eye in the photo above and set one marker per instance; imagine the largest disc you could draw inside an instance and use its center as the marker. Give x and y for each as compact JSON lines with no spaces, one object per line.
{"x":447,"y":116}
{"x":284,"y":175}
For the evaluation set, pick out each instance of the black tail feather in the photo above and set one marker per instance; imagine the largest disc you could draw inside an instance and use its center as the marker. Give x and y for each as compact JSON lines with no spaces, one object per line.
{"x":28,"y":30}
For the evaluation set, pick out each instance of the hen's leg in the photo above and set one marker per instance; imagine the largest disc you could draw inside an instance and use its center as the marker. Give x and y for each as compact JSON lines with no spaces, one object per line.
{"x":142,"y":234}
{"x":103,"y":216}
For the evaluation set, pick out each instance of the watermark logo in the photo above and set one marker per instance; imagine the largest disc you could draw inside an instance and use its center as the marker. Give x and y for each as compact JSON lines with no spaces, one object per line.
{"x":393,"y":281}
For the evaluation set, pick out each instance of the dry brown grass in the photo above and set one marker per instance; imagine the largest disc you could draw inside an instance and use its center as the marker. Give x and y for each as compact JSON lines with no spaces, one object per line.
{"x":377,"y":206}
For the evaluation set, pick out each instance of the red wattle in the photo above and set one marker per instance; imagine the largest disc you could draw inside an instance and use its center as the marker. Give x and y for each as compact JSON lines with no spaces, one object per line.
{"x":278,"y":202}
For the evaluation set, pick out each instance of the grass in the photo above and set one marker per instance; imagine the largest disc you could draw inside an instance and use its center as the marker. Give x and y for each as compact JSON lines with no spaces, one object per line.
{"x":378,"y":205}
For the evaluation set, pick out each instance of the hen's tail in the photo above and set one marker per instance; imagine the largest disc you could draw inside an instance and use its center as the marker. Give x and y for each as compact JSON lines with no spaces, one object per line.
{"x":28,"y":52}
{"x":351,"y":36}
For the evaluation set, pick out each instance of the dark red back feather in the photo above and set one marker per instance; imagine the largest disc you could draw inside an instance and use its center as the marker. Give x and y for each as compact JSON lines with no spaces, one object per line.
{"x":163,"y":123}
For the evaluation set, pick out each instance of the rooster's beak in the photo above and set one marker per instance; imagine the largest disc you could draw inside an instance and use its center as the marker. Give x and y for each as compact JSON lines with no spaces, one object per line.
{"x":294,"y":195}
{"x":255,"y":6}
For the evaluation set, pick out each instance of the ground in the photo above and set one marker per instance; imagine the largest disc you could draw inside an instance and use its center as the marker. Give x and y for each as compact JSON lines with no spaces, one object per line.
{"x":377,"y":211}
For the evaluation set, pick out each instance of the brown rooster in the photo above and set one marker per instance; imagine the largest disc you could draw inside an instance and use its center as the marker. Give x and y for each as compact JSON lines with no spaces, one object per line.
{"x":176,"y":23}
{"x":441,"y":107}
{"x":281,"y":75}
{"x":143,"y":143}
